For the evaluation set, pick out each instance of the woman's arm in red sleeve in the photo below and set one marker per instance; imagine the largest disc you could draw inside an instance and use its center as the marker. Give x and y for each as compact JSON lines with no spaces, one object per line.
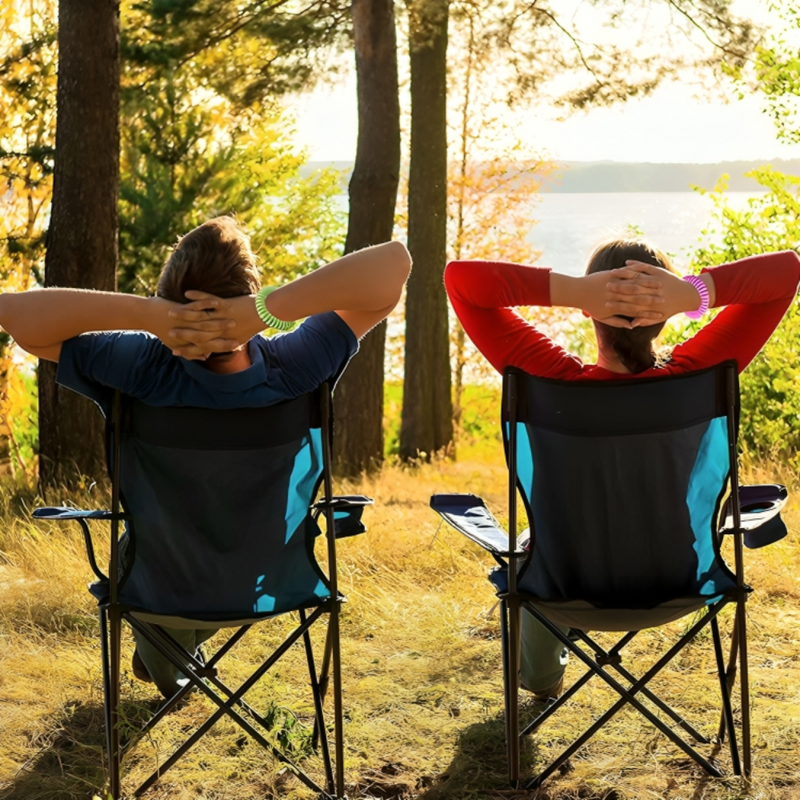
{"x":756,"y":292}
{"x":483,"y":293}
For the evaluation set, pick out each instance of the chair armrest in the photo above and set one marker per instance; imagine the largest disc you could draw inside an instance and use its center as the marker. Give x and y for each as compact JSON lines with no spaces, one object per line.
{"x":347,"y":511}
{"x":66,"y":513}
{"x":468,"y":514}
{"x":761,"y":507}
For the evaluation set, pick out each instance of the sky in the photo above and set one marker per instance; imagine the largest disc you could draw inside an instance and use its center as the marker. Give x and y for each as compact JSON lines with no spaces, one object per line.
{"x":672,"y":125}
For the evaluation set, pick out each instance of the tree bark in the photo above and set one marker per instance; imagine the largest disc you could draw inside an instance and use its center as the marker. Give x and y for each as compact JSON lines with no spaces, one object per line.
{"x":373,"y":195}
{"x":82,"y":236}
{"x":427,"y":424}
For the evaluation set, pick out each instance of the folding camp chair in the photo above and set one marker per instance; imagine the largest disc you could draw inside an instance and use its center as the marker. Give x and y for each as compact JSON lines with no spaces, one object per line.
{"x":623,"y":483}
{"x":221,"y":520}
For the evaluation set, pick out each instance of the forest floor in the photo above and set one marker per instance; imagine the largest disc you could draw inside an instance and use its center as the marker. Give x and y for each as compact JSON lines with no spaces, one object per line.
{"x":422,"y":675}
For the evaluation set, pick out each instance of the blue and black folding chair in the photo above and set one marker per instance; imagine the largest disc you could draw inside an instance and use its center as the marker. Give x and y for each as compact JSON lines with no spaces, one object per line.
{"x":623,"y":483}
{"x":221,"y":519}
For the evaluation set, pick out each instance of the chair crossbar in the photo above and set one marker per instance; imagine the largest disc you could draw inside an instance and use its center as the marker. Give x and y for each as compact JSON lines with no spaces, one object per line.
{"x":725,"y":691}
{"x":586,"y":677}
{"x":615,"y":652}
{"x":179,"y":657}
{"x":173,"y":701}
{"x":627,"y":696}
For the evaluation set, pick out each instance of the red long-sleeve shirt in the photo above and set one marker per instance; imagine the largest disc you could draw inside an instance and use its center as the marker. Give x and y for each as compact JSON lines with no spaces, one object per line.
{"x":755,"y":291}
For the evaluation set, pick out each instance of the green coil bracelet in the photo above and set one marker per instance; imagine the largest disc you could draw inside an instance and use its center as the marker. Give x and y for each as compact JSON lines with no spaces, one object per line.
{"x":266,"y":317}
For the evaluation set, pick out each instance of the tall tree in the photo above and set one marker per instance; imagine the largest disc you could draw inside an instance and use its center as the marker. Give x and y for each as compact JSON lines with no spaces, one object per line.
{"x":610,"y":51}
{"x":373,"y":195}
{"x":82,"y":237}
{"x":427,"y":424}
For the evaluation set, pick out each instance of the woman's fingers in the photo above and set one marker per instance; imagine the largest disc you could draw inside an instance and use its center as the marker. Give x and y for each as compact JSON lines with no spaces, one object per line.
{"x":645,"y":293}
{"x":634,"y":283}
{"x":642,"y":268}
{"x":636,"y":309}
{"x":617,"y":322}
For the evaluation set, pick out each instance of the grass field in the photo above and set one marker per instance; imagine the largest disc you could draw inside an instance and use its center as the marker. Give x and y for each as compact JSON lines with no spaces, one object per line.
{"x":422,"y":674}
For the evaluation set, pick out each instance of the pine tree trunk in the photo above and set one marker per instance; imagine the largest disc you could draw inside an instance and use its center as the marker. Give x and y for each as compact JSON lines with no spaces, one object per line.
{"x":82,"y":236}
{"x":373,"y":195}
{"x":427,"y":425}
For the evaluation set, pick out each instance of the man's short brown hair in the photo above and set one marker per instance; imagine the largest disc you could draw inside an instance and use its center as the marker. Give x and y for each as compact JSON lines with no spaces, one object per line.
{"x":216,"y":258}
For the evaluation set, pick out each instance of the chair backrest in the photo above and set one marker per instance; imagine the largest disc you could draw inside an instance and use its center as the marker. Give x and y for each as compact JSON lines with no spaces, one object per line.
{"x":218,"y":507}
{"x":622,"y":482}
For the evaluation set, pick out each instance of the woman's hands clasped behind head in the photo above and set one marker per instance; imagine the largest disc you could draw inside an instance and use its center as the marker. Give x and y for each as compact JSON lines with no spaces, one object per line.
{"x":635,"y":293}
{"x":627,"y":297}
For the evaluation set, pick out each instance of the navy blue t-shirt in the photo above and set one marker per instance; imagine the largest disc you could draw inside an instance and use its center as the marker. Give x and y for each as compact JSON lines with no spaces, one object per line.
{"x":140,"y":365}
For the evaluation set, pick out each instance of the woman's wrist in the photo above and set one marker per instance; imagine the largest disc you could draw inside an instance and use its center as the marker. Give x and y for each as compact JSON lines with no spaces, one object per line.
{"x":568,"y":291}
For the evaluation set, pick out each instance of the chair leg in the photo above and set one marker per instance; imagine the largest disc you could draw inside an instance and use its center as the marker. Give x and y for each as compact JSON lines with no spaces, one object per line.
{"x":730,"y":677}
{"x":744,"y":685}
{"x":113,"y":773}
{"x":319,"y":718}
{"x":110,"y":636}
{"x":324,"y":675}
{"x":338,"y":714}
{"x":727,"y":710}
{"x":509,"y":632}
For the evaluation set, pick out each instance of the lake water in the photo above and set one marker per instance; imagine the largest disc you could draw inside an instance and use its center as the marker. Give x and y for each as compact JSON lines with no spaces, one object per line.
{"x":571,"y":225}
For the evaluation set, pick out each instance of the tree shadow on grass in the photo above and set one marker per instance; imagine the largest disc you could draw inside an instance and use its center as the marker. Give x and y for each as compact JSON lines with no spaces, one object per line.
{"x":69,"y":761}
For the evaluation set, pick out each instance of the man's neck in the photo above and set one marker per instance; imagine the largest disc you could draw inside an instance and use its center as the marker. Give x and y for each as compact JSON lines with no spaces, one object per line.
{"x":228,"y":364}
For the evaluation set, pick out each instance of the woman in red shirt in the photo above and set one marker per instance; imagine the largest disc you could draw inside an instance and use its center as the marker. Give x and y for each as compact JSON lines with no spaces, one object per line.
{"x":629,"y":290}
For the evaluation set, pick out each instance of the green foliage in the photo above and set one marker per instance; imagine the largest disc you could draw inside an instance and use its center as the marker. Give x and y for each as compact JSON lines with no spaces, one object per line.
{"x":199,"y":140}
{"x":777,"y":70}
{"x":184,"y":162}
{"x":246,"y":51}
{"x":770,"y":396}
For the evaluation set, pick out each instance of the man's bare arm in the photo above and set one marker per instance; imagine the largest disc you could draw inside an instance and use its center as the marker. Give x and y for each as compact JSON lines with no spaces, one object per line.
{"x":40,"y":321}
{"x":362,"y":288}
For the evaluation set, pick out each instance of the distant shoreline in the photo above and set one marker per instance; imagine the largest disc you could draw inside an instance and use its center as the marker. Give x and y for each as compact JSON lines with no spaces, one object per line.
{"x":618,"y":176}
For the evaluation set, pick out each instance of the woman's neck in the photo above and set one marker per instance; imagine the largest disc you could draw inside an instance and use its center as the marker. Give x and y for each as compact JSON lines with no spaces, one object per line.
{"x":611,"y":363}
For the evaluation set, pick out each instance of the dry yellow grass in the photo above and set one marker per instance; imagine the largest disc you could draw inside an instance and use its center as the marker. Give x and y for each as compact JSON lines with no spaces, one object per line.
{"x":422,"y":674}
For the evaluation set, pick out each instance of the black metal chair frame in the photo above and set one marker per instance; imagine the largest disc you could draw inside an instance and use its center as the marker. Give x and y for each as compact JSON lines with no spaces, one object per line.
{"x":514,"y":559}
{"x":203,"y":676}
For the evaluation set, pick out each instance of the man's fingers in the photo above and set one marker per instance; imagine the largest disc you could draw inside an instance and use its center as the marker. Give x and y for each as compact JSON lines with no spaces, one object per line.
{"x":195,"y":294}
{"x":190,"y":352}
{"x":204,"y":339}
{"x":215,"y":325}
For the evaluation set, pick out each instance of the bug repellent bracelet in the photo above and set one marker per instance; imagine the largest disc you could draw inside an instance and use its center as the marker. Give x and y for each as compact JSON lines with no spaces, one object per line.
{"x":266,"y":317}
{"x":702,"y":290}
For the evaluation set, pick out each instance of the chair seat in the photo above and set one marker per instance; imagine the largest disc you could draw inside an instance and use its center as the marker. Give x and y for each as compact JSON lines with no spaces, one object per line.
{"x":99,"y":590}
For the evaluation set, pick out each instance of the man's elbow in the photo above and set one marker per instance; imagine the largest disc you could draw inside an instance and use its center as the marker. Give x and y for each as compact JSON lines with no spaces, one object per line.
{"x":398,"y":267}
{"x":400,"y":259}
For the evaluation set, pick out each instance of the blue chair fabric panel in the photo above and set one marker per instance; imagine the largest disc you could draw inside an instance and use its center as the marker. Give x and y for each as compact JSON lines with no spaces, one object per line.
{"x":222,"y":532}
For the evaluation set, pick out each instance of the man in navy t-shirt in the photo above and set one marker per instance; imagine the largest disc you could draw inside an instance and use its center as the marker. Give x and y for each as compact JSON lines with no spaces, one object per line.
{"x":224,"y":363}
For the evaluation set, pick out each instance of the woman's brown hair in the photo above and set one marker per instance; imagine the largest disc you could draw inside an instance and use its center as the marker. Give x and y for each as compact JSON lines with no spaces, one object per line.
{"x":215,"y":257}
{"x":634,"y":346}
